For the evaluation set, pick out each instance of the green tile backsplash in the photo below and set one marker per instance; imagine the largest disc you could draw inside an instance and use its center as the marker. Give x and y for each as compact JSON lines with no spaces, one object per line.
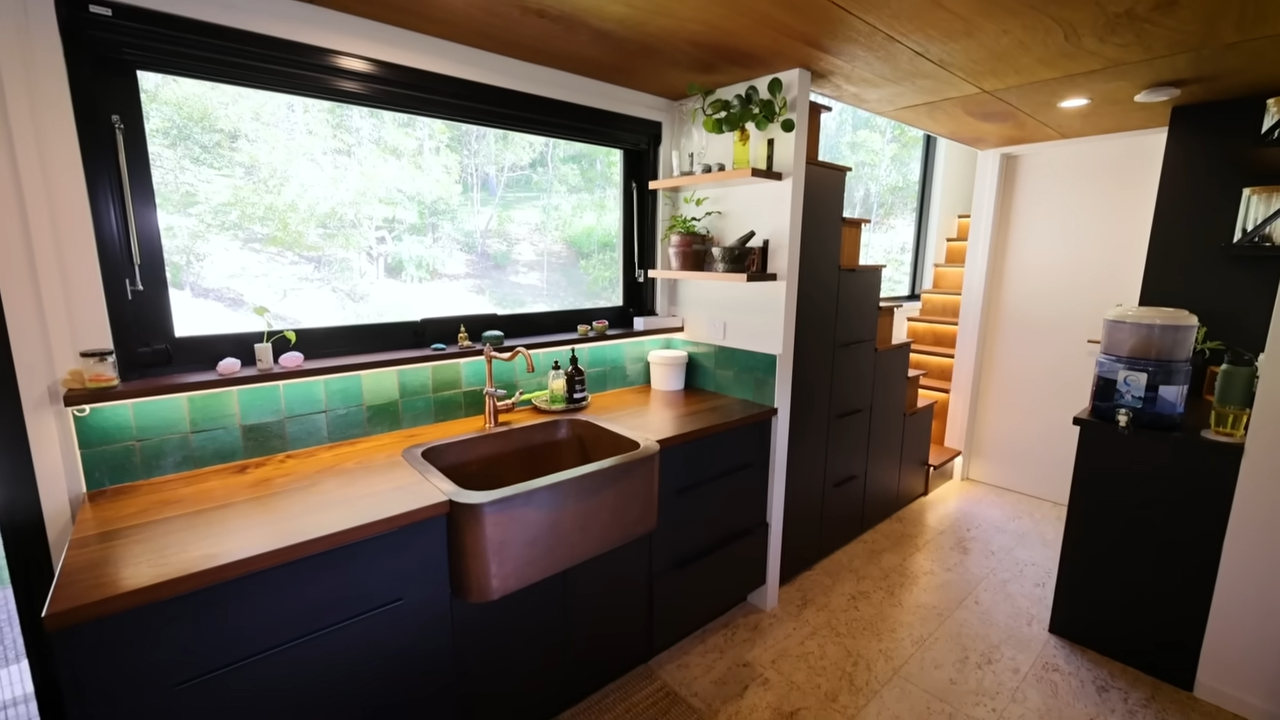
{"x":150,"y":438}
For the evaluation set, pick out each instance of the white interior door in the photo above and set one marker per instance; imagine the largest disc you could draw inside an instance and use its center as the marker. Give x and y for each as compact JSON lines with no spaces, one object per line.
{"x":1069,"y":242}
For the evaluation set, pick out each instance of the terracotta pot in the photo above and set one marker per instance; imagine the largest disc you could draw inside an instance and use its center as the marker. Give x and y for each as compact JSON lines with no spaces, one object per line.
{"x":687,"y":252}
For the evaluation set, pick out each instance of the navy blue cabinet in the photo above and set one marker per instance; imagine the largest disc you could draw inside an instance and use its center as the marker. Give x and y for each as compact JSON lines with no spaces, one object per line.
{"x":359,"y":631}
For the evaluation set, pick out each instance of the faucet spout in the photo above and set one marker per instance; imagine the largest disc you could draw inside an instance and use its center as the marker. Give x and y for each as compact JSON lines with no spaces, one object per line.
{"x":493,"y":407}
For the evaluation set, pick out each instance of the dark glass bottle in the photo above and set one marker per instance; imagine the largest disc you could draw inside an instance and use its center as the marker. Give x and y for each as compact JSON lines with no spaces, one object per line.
{"x":575,"y":381}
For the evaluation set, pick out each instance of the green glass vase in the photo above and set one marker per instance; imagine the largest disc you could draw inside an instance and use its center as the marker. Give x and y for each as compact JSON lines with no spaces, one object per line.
{"x":741,"y":148}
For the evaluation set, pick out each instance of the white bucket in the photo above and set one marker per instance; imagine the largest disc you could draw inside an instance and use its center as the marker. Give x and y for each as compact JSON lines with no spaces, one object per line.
{"x":666,"y":369}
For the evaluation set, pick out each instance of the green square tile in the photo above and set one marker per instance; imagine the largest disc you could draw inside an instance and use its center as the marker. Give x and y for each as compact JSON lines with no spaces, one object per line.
{"x":345,"y":423}
{"x":380,"y":387}
{"x":633,"y":353}
{"x":343,"y":392}
{"x":114,"y":465}
{"x":217,"y":447}
{"x":722,"y":382}
{"x":264,"y":439}
{"x":616,"y":377}
{"x":702,"y":356}
{"x":608,"y":357}
{"x":597,"y":381}
{"x":695,"y":377}
{"x":414,"y":381}
{"x":472,"y":374}
{"x":758,"y":363}
{"x":728,"y":358}
{"x":473,"y":402}
{"x":448,"y":406}
{"x":763,"y":390}
{"x":737,"y":385}
{"x":505,"y":373}
{"x":418,"y":411}
{"x":303,"y":398}
{"x":259,"y":404}
{"x":531,"y":386}
{"x":446,"y":377}
{"x":382,"y":418}
{"x":213,"y":410}
{"x":166,"y":456}
{"x":306,"y":431}
{"x":161,"y":417}
{"x":637,"y":375}
{"x":658,"y":343}
{"x":104,"y":425}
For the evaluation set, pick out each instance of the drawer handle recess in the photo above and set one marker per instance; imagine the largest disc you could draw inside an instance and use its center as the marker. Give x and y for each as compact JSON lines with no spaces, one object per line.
{"x":713,"y":478}
{"x":844,"y":481}
{"x":849,"y":414}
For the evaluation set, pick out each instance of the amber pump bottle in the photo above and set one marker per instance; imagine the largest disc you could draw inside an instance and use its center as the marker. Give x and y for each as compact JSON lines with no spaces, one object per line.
{"x":575,"y":381}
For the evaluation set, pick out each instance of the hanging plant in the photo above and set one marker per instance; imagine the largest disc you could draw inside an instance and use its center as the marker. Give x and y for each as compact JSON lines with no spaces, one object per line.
{"x":744,"y":110}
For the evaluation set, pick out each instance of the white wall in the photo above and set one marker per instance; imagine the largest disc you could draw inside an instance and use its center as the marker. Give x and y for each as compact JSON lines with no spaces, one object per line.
{"x":1067,"y":233}
{"x":50,"y":280}
{"x":1240,"y":661}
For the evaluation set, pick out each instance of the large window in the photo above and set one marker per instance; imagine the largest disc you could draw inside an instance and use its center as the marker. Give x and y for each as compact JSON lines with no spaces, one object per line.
{"x":888,"y":186}
{"x":370,"y":206}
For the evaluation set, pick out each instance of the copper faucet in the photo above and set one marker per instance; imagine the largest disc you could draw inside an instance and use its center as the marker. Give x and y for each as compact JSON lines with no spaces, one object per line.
{"x":492,"y":405}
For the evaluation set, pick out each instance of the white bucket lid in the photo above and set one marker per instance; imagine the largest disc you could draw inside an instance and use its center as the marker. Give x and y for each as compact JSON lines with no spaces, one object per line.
{"x":668,"y":357}
{"x":1151,"y":316}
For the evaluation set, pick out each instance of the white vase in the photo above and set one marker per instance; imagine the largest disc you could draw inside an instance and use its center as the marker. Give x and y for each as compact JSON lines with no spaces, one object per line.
{"x":264,"y":355}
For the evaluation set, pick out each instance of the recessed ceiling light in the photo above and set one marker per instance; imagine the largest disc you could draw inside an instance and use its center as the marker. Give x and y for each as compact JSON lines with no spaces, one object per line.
{"x":1157,"y":94}
{"x":1074,"y":102}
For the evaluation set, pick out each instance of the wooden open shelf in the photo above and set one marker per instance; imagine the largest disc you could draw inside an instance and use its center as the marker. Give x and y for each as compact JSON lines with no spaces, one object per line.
{"x":957,"y":239}
{"x":713,"y":276}
{"x":727,"y":178}
{"x":939,"y":291}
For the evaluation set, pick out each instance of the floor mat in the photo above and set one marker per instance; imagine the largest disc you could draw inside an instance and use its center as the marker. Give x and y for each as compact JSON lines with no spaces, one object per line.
{"x":638,"y":695}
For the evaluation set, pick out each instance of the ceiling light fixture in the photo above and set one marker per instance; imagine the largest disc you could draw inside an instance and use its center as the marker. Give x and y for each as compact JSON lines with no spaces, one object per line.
{"x":1157,"y":94}
{"x":1074,"y":102}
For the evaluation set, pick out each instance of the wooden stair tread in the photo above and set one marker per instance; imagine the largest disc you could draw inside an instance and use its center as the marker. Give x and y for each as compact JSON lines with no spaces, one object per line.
{"x":949,"y":265}
{"x":942,"y":386}
{"x":934,"y":320}
{"x":936,"y":291}
{"x":915,"y":372}
{"x":854,"y":221}
{"x":893,"y":345}
{"x":940,"y":455}
{"x":921,"y":404}
{"x":963,"y":216}
{"x":957,"y":239}
{"x":934,"y":350}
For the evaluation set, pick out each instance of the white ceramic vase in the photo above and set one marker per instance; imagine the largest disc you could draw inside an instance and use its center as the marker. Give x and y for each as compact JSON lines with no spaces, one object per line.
{"x":264,"y":356}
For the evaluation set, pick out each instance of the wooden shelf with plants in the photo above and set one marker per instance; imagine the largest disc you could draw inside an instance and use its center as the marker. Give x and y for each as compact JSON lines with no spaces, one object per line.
{"x":722,"y":179}
{"x":934,"y":331}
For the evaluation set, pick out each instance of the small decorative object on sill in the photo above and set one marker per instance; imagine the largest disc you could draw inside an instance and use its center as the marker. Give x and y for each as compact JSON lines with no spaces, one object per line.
{"x":704,"y":168}
{"x":717,"y":167}
{"x":1259,"y":211}
{"x":464,"y":340}
{"x":584,"y":329}
{"x":743,"y":111}
{"x":600,"y":326}
{"x":263,"y":352}
{"x":439,"y":347}
{"x":292,"y":359}
{"x":1271,"y":122}
{"x":228,"y":366}
{"x":74,"y":379}
{"x":100,"y":370}
{"x":493,"y":337}
{"x":657,"y":322}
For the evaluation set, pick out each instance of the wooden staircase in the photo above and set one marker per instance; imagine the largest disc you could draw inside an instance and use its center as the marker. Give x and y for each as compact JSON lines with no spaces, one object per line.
{"x":933,"y":334}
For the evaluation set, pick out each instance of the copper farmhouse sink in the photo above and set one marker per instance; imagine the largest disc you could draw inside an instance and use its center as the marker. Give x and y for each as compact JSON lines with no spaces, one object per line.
{"x":532,"y":500}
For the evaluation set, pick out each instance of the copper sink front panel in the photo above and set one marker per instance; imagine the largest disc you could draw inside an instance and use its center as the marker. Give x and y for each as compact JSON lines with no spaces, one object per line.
{"x":534,"y":500}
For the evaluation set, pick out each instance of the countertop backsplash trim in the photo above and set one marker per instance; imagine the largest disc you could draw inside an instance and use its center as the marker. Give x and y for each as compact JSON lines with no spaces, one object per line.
{"x":137,"y":440}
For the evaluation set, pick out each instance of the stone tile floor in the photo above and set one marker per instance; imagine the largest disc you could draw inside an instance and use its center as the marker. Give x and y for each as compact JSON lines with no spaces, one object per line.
{"x":939,"y":613}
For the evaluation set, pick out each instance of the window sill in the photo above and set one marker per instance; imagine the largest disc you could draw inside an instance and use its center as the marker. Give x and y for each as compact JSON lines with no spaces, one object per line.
{"x":210,"y":380}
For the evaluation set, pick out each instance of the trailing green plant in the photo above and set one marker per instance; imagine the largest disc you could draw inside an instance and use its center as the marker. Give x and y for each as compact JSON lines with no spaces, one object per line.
{"x":1204,"y":348}
{"x":745,"y":109}
{"x":262,"y":312}
{"x":689,"y":224}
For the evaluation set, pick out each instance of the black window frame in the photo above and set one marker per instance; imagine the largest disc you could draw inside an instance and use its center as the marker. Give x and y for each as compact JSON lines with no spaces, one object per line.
{"x":105,"y":44}
{"x":918,"y":265}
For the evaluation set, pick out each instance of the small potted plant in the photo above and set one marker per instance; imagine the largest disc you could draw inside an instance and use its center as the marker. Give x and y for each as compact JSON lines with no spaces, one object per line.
{"x":687,"y":238}
{"x":742,"y":111}
{"x":1203,"y":372}
{"x":264,"y":352}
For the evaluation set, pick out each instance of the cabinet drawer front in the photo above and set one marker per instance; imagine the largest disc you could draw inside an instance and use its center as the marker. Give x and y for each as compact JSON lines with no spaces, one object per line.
{"x":847,"y":446}
{"x":701,"y":460}
{"x":704,"y":516}
{"x":913,"y":479}
{"x":697,"y":593}
{"x":842,"y":512}
{"x":858,"y":306}
{"x":852,"y":377}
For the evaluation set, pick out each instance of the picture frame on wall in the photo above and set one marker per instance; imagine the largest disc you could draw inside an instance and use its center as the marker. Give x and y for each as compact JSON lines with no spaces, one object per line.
{"x":1258,"y":222}
{"x":1271,"y":122}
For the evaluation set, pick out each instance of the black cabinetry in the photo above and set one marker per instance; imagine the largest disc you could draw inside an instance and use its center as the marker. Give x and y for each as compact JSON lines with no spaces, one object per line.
{"x":884,"y":457}
{"x":291,"y":641}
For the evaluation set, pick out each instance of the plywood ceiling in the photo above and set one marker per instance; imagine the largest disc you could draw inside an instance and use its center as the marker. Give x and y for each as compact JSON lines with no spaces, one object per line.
{"x":987,"y":73}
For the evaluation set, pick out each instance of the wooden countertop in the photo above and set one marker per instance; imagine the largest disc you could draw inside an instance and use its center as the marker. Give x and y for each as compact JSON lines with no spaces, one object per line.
{"x":148,"y":541}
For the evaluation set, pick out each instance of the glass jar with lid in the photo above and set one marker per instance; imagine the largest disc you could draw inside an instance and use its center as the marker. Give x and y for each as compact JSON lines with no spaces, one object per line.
{"x":100,"y":369}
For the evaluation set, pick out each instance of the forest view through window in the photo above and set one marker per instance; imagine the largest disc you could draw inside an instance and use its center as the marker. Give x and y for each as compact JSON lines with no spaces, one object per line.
{"x":335,"y":214}
{"x":884,"y":187}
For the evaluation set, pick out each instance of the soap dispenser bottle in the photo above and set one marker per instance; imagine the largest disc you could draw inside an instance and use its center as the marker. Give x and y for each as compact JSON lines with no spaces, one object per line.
{"x":575,"y":380}
{"x":556,"y":385}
